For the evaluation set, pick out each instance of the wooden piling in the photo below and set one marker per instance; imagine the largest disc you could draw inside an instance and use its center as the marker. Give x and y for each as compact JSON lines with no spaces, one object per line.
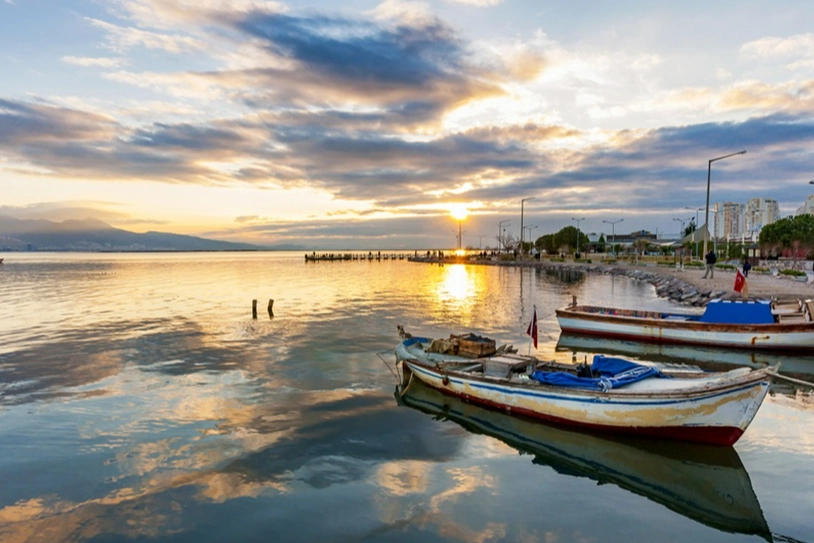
{"x":271,"y":312}
{"x":254,"y":309}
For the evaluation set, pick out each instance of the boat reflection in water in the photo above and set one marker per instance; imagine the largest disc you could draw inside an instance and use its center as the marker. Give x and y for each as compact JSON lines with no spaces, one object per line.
{"x":712,"y":358}
{"x":707,"y":484}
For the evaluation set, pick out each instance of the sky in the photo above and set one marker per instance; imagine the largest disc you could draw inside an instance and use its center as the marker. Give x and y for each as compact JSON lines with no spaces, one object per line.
{"x":364,"y":124}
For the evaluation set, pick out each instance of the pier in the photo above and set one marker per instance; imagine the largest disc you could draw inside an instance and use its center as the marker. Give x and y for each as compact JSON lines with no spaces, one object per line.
{"x":342,"y":257}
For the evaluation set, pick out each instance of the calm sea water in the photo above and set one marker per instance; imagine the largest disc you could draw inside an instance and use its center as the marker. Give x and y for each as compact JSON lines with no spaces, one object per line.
{"x":139,"y":401}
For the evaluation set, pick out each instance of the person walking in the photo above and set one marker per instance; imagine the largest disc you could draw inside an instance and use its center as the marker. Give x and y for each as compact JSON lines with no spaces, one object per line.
{"x":746,"y":267}
{"x":709,"y":269}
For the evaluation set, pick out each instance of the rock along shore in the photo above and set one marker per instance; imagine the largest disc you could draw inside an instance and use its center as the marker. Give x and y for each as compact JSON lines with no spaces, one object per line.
{"x":686,"y":286}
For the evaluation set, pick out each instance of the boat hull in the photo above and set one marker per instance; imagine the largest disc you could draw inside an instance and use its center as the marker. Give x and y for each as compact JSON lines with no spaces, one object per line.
{"x":716,"y":414}
{"x":793,"y":337}
{"x":707,"y":484}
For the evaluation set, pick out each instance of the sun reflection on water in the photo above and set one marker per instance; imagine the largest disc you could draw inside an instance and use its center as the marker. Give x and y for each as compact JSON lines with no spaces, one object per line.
{"x":458,"y":287}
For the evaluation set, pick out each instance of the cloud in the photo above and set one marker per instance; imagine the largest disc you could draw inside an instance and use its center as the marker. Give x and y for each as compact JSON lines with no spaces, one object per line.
{"x":477,"y":3}
{"x":334,"y":60}
{"x":799,"y":45}
{"x":121,"y":39}
{"x":67,"y":210}
{"x":102,"y":62}
{"x":169,"y":14}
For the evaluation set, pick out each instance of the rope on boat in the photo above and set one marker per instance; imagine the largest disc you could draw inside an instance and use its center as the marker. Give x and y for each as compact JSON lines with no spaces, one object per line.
{"x":395,"y":373}
{"x":777,"y":375}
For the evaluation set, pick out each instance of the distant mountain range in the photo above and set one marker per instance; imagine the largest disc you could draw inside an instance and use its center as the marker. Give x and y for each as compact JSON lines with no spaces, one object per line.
{"x":94,"y":236}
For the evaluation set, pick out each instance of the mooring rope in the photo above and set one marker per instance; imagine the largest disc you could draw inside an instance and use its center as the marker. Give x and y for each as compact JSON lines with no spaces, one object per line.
{"x":790,"y":379}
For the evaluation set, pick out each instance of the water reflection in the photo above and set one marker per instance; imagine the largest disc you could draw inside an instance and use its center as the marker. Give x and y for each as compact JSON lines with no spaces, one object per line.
{"x":457,"y":287}
{"x":704,"y":483}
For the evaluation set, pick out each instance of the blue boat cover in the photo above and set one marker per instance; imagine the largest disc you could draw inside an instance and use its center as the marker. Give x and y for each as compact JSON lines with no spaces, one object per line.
{"x":738,"y":312}
{"x":613,"y":373}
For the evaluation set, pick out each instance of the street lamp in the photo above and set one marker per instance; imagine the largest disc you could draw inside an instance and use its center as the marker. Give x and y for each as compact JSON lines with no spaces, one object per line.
{"x":499,"y":235}
{"x":709,"y":174}
{"x":695,"y":233}
{"x":460,"y":239}
{"x":530,"y":228}
{"x":577,"y":221}
{"x":681,"y":236}
{"x":523,"y":201}
{"x":613,"y":229}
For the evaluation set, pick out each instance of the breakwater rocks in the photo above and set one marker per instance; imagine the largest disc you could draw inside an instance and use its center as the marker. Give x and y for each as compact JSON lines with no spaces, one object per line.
{"x":667,"y":286}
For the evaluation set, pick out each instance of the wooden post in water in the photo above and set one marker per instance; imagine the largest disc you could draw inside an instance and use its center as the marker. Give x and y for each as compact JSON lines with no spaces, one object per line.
{"x":254,"y":309}
{"x":271,"y":312}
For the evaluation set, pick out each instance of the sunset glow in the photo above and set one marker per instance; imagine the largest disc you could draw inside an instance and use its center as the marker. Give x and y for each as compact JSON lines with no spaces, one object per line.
{"x":297,"y":123}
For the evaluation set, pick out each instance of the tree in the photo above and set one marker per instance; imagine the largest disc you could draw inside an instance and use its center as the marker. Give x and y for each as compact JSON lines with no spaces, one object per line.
{"x":690,"y":227}
{"x":789,"y":233}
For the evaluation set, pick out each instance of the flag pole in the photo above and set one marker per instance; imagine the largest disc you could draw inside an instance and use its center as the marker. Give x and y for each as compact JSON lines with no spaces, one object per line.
{"x":532,"y":331}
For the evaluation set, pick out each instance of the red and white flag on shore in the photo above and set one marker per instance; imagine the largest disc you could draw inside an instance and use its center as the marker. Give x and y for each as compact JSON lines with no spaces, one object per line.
{"x":740,"y":280}
{"x":532,"y":331}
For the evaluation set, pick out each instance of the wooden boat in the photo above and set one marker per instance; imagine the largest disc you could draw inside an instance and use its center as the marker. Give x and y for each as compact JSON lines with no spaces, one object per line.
{"x":747,"y":324}
{"x":704,"y":483}
{"x":619,"y":396}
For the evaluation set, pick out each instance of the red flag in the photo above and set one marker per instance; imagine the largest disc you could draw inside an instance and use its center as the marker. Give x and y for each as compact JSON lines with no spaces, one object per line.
{"x":532,"y":331}
{"x":740,"y":280}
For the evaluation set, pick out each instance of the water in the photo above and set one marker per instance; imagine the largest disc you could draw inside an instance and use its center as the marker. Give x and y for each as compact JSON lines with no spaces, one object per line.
{"x":139,"y":401}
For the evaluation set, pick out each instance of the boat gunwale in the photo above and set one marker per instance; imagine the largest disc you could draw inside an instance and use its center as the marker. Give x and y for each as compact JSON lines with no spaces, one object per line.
{"x":581,"y":312}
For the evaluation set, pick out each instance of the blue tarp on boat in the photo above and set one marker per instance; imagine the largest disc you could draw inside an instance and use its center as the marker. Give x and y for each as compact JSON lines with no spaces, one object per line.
{"x":613,"y":373}
{"x":738,"y":312}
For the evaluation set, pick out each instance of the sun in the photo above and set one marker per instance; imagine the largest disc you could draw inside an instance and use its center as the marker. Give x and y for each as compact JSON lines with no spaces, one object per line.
{"x":458,"y":212}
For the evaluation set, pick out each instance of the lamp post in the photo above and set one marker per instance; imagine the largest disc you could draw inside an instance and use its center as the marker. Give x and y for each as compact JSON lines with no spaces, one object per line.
{"x":500,"y":235}
{"x":715,"y":231}
{"x":613,"y":229}
{"x":460,"y":235}
{"x":709,"y":174}
{"x":681,"y":236}
{"x":695,"y":233}
{"x":522,"y":202}
{"x":578,"y":230}
{"x":530,"y":228}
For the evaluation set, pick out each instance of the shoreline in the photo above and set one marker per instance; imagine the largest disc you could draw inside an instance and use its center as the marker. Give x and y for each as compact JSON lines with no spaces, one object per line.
{"x":686,"y":286}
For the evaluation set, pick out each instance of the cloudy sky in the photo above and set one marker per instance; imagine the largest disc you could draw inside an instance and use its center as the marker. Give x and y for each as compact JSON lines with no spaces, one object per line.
{"x":362,"y":123}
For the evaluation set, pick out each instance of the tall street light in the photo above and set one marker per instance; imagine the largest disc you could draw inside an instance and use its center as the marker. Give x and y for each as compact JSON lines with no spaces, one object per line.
{"x":695,"y":234}
{"x":613,"y":230}
{"x":522,"y":202}
{"x":681,"y":236}
{"x":682,"y":221}
{"x":578,"y":230}
{"x":709,"y":174}
{"x":530,"y":228}
{"x":499,"y":235}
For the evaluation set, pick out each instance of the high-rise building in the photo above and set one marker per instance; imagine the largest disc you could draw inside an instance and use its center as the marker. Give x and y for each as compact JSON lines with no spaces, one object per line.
{"x":729,"y":223}
{"x":759,"y":213}
{"x":808,"y":207}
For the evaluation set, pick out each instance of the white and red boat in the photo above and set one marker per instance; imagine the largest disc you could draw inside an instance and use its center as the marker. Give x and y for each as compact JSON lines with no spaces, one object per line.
{"x":612,"y":395}
{"x":746,"y":324}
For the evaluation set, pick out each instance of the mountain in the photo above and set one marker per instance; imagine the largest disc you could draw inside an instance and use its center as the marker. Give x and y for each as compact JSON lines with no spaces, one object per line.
{"x":94,"y":235}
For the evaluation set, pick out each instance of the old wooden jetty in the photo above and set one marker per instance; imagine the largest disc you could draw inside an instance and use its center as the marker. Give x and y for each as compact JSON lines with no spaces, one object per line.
{"x":340,"y":257}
